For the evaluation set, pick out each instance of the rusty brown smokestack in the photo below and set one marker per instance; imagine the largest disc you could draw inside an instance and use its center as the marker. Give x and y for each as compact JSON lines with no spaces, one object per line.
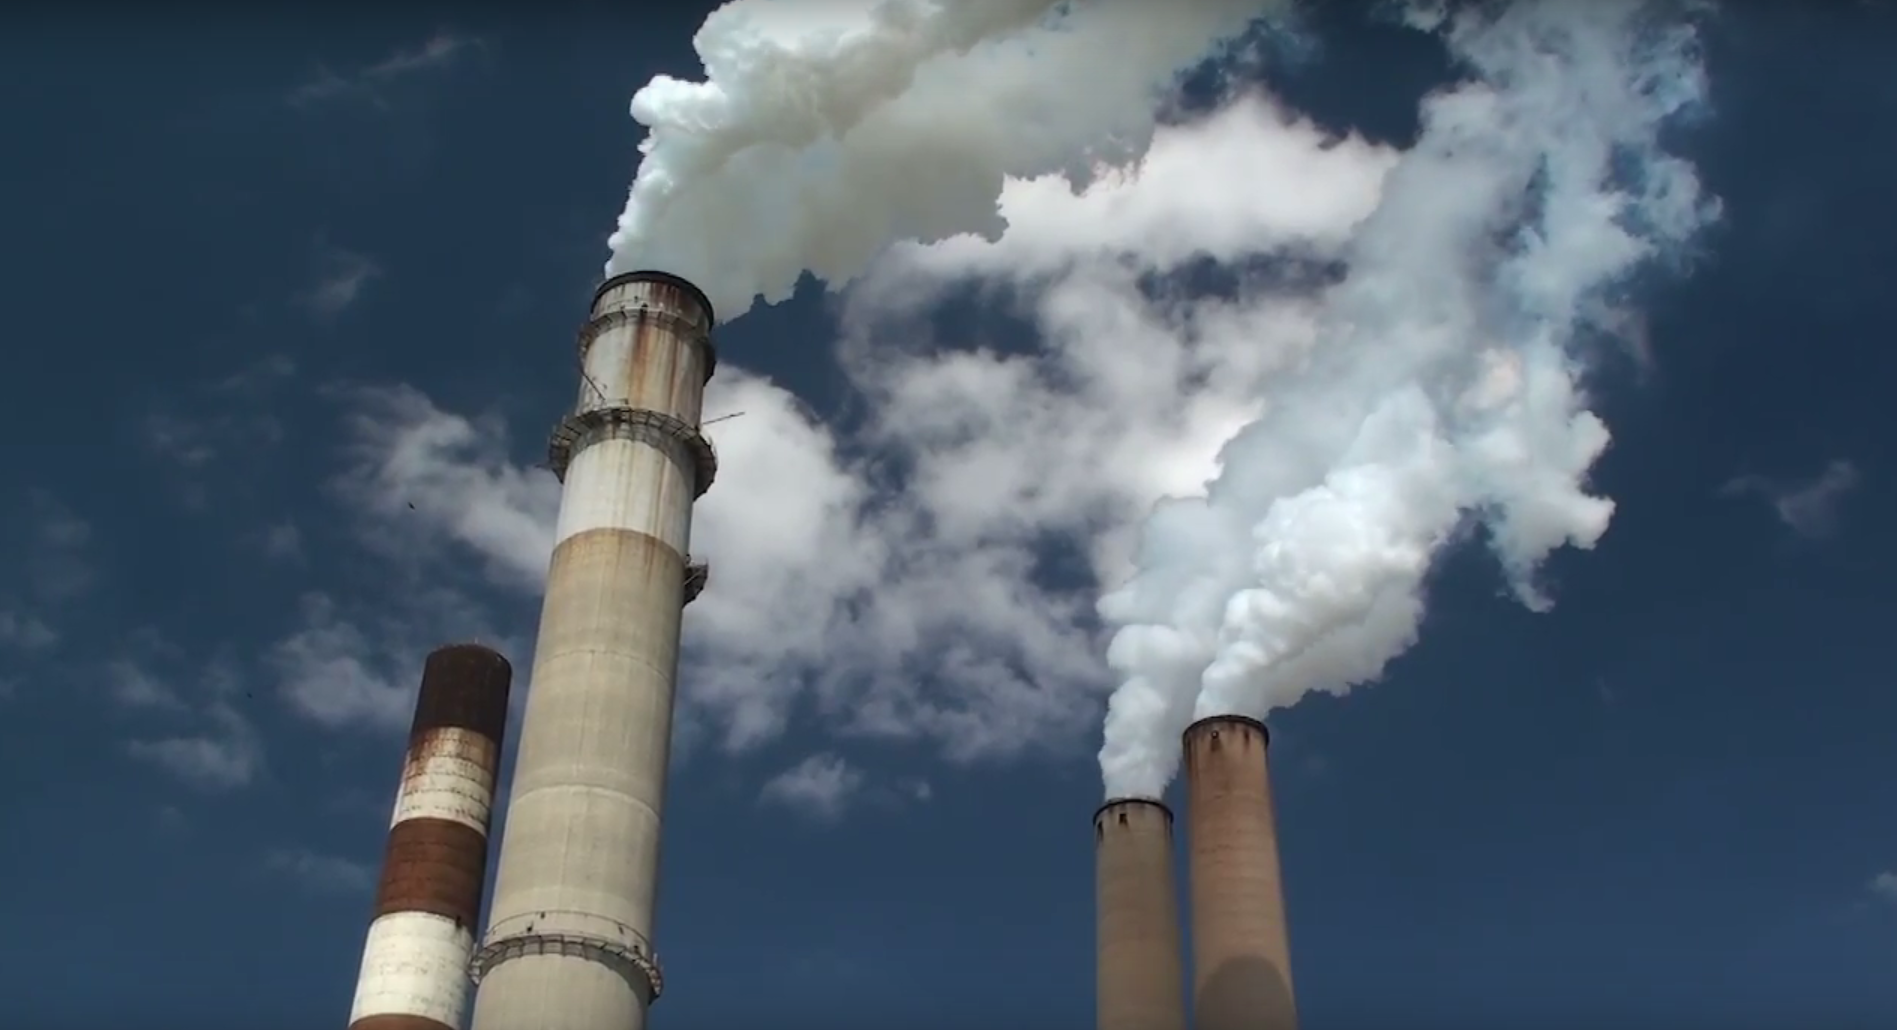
{"x":1241,"y":952}
{"x":1141,"y":981}
{"x":428,"y":905}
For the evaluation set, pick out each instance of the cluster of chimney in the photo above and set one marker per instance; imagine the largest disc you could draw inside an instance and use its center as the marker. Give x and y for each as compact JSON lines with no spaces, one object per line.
{"x":569,"y":945}
{"x":1240,"y":948}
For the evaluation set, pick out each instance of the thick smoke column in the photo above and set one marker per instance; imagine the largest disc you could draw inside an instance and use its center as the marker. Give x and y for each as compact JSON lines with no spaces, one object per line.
{"x":823,"y":134}
{"x":1445,"y":389}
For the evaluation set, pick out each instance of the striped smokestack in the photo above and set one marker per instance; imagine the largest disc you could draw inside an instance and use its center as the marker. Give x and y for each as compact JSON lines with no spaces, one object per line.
{"x":1241,"y":954}
{"x":1141,"y":983}
{"x":576,"y":887}
{"x":428,"y":904}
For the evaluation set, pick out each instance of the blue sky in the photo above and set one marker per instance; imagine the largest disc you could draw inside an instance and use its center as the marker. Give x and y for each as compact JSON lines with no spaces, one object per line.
{"x":274,"y":279}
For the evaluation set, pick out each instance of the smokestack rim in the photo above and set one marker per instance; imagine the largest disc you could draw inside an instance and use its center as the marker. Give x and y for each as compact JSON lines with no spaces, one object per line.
{"x":1164,"y":809}
{"x":1201,"y":725}
{"x":463,"y":687}
{"x":472,"y":649}
{"x":653,"y":275}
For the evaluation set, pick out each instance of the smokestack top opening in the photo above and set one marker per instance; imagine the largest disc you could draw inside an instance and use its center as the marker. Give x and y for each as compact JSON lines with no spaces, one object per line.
{"x":464,"y":686}
{"x":1113,"y":803}
{"x":1210,"y":725}
{"x":474,"y":652}
{"x":653,"y":276}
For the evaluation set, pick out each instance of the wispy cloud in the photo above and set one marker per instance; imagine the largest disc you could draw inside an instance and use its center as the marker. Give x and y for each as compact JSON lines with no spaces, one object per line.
{"x":54,"y":570}
{"x":1884,"y":887}
{"x":170,"y":819}
{"x":354,"y":662}
{"x":820,"y":786}
{"x":825,"y":785}
{"x":225,"y":752}
{"x":1808,"y":507}
{"x":217,"y":419}
{"x":182,"y":441}
{"x":325,"y":874}
{"x":134,"y":687}
{"x":58,"y":565}
{"x":227,"y":755}
{"x":256,"y":378}
{"x":282,"y":541}
{"x":341,"y":277}
{"x":368,"y":84}
{"x":25,"y":631}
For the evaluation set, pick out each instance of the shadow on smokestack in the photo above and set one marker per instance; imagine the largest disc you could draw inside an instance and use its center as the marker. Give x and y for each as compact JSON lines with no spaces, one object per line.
{"x":1244,"y":992}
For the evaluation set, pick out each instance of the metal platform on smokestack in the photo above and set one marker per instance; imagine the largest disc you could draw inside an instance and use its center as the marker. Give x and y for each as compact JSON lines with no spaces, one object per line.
{"x":569,"y":940}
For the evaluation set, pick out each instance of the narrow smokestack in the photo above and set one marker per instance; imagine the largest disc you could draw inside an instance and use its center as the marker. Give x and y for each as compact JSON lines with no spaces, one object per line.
{"x":415,"y":964}
{"x":1241,"y":954}
{"x":1141,"y":983}
{"x":569,"y":940}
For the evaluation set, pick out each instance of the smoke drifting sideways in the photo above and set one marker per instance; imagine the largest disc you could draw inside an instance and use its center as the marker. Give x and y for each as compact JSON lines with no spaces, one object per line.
{"x":823,"y":133}
{"x":1446,"y":388}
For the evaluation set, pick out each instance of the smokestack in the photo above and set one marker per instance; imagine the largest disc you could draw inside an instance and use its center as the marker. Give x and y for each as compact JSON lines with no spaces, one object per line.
{"x":415,"y":964}
{"x":1241,"y":954}
{"x":1141,"y":984}
{"x":569,"y":941}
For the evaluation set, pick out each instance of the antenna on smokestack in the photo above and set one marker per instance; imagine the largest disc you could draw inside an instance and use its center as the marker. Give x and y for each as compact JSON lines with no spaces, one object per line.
{"x":720,"y":418}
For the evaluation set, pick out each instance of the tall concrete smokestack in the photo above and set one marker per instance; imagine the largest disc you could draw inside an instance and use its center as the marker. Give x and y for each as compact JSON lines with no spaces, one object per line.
{"x":1241,"y":953}
{"x":1141,"y":983}
{"x":415,"y":964}
{"x":569,"y":942}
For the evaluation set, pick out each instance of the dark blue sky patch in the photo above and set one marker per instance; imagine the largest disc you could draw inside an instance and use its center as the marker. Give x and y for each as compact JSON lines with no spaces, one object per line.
{"x":1676,"y":784}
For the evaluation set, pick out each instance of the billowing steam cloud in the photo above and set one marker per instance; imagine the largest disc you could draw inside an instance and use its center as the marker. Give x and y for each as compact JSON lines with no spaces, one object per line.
{"x":825,"y":132}
{"x":1434,"y":387}
{"x":1444,"y":389}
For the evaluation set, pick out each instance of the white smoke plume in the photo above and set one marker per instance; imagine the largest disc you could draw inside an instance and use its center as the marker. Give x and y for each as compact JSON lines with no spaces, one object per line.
{"x":1437,"y":385}
{"x":1445,"y":387}
{"x":824,"y":132}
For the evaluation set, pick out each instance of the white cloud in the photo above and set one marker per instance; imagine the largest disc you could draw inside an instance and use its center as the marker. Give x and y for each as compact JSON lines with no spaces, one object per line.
{"x":256,"y":379}
{"x":357,"y":663}
{"x":424,"y":480}
{"x":215,"y":423}
{"x":341,"y":277}
{"x":170,"y":820}
{"x":931,"y":573}
{"x":180,"y":440}
{"x":369,"y":82}
{"x":1809,"y":507}
{"x":282,"y":541}
{"x":52,"y":572}
{"x":825,"y":785}
{"x":58,"y":568}
{"x":896,"y":579}
{"x":1884,"y":887}
{"x":25,"y":632}
{"x":135,"y":687}
{"x":820,"y":786}
{"x":1251,"y":178}
{"x":320,"y":873}
{"x":225,"y":756}
{"x":425,"y":488}
{"x":224,"y":751}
